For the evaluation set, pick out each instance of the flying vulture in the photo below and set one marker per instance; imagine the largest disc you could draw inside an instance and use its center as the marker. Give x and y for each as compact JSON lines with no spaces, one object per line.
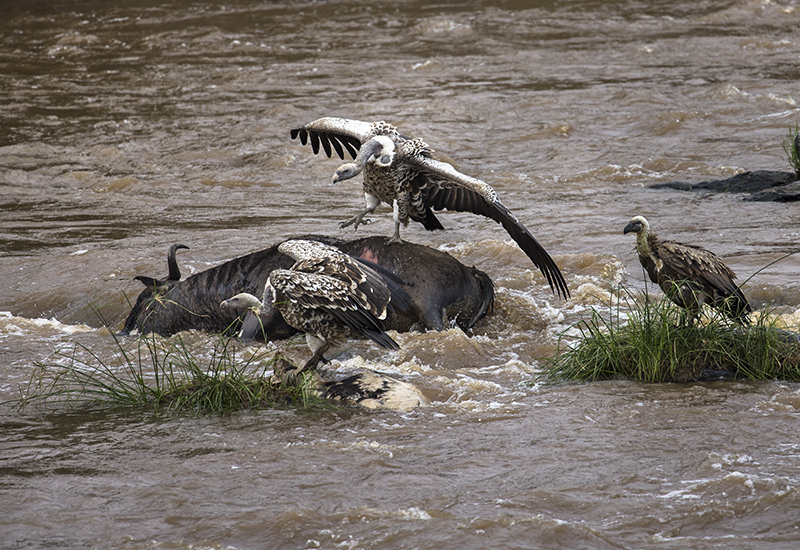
{"x":401,"y":172}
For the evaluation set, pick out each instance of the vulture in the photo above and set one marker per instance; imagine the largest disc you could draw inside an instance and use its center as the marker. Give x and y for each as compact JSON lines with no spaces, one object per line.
{"x":402,"y":173}
{"x":330,"y":296}
{"x":689,"y":275}
{"x":173,"y":276}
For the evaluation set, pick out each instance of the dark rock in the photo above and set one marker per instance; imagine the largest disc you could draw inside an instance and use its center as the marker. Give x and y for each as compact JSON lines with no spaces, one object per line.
{"x":782,"y":193}
{"x":710,"y":375}
{"x":775,"y":186}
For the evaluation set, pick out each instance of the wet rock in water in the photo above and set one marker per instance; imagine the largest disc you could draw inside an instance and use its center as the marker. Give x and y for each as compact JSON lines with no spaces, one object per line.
{"x":763,"y":185}
{"x":782,"y":193}
{"x":711,"y":375}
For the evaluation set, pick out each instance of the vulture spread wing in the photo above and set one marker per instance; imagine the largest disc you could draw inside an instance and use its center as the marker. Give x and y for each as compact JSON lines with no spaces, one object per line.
{"x":353,"y":291}
{"x":399,"y":298}
{"x":433,"y":185}
{"x":444,"y":187}
{"x":339,"y":134}
{"x":365,"y":284}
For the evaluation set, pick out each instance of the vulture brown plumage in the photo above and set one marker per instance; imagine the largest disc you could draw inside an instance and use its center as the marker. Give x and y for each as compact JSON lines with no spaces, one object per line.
{"x":689,"y":275}
{"x":330,"y":296}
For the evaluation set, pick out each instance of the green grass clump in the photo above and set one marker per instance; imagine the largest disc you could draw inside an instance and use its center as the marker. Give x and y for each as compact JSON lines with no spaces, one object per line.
{"x":790,"y":147}
{"x":647,"y":341}
{"x":163,"y":374}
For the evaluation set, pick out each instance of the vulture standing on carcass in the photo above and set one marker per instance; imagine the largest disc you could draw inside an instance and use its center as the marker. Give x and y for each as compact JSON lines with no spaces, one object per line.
{"x":330,"y":296}
{"x":401,"y":172}
{"x":689,"y":275}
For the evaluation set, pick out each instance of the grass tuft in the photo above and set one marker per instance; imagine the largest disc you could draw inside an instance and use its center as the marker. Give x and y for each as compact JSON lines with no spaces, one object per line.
{"x":163,"y":374}
{"x":646,"y":341}
{"x":790,"y":147}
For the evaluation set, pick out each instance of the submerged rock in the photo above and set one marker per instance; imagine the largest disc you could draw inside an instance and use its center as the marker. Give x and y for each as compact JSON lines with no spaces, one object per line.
{"x":781,"y":193}
{"x":763,"y":185}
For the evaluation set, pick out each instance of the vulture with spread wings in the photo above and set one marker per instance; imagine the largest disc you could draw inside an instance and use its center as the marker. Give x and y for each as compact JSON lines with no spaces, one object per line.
{"x":401,"y":172}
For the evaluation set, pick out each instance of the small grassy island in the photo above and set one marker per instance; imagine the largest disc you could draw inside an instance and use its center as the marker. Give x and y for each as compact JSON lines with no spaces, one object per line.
{"x":167,"y":374}
{"x":645,"y":338}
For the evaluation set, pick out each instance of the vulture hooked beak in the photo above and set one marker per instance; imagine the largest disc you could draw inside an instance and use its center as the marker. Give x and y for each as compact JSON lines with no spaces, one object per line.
{"x":346,"y":171}
{"x":636,"y":224}
{"x":379,"y":150}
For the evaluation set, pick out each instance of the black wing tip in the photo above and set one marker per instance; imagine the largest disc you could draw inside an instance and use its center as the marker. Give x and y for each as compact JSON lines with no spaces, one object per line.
{"x":530,"y":246}
{"x":351,"y":149}
{"x":302,"y":133}
{"x":557,"y":282}
{"x":339,"y":142}
{"x":559,"y":286}
{"x":552,"y":274}
{"x":382,"y":339}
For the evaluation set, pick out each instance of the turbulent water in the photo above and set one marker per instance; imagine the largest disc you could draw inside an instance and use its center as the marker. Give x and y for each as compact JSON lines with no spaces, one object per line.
{"x":128,"y":126}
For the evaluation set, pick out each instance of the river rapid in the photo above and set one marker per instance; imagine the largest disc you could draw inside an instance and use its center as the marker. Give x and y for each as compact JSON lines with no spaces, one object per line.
{"x":126,"y":127}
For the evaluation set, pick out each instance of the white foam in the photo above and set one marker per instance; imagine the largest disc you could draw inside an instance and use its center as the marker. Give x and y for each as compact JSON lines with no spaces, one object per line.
{"x":21,"y":326}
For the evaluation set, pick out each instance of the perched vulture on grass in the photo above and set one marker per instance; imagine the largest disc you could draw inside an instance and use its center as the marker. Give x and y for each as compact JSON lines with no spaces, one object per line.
{"x":689,"y":275}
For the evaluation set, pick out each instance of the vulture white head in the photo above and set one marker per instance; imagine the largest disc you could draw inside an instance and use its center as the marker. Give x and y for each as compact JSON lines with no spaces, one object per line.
{"x":379,"y":150}
{"x":639,"y":225}
{"x":243,"y":300}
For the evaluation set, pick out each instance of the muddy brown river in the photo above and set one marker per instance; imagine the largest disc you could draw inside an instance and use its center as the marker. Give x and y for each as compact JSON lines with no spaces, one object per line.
{"x":128,"y":126}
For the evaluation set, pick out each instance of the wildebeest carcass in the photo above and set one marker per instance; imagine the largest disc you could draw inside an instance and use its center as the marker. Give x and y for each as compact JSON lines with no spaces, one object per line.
{"x":443,"y":289}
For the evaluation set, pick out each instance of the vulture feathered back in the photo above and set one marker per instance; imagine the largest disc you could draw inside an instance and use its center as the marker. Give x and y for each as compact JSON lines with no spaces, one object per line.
{"x":689,"y":275}
{"x":330,"y":296}
{"x":401,"y":172}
